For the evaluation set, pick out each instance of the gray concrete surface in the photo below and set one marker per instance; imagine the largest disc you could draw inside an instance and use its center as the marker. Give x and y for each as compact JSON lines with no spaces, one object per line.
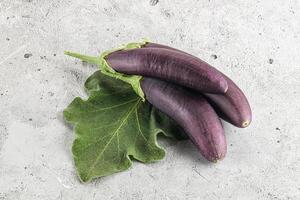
{"x":255,"y":42}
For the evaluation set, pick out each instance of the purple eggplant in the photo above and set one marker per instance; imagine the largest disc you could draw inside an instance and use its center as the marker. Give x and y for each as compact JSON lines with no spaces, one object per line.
{"x":170,"y":66}
{"x":192,"y":112}
{"x":232,"y":106}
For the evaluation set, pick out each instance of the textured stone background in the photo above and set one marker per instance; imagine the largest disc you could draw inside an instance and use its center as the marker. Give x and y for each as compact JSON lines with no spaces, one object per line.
{"x":255,"y":42}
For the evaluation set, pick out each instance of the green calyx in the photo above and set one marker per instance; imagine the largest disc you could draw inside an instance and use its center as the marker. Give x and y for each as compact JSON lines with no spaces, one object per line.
{"x":133,"y":80}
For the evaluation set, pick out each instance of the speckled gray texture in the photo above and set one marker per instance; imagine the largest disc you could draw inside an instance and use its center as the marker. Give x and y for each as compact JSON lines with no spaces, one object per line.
{"x":256,"y":43}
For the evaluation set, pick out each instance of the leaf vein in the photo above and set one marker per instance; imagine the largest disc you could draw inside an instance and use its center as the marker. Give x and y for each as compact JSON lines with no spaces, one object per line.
{"x":139,"y":127}
{"x":113,"y":135}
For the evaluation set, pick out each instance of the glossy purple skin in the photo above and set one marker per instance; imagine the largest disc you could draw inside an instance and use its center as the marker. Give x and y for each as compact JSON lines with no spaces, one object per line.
{"x":171,"y":66}
{"x":232,"y":106}
{"x":192,"y":112}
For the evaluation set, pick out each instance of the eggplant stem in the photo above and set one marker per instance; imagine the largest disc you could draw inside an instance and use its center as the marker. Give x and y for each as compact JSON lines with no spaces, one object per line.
{"x":86,"y":58}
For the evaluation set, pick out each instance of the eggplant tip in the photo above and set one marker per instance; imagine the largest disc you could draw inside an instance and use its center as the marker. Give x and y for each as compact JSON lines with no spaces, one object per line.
{"x":224,"y":86}
{"x":245,"y":123}
{"x":217,"y":159}
{"x":225,"y":89}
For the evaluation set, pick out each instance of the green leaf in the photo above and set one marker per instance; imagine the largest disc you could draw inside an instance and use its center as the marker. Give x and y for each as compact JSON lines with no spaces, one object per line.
{"x":133,"y":80}
{"x":112,"y":126}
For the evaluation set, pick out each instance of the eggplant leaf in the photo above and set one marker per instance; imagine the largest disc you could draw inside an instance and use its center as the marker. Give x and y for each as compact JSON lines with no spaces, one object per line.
{"x":113,"y":125}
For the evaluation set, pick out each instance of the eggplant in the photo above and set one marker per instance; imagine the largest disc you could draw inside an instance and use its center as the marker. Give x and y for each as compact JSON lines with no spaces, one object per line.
{"x":192,"y":112}
{"x":232,"y":106}
{"x":172,"y":66}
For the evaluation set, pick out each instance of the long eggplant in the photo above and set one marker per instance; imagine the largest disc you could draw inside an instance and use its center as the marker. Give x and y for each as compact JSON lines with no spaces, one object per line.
{"x":192,"y":112}
{"x":170,"y":66}
{"x":232,"y":106}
